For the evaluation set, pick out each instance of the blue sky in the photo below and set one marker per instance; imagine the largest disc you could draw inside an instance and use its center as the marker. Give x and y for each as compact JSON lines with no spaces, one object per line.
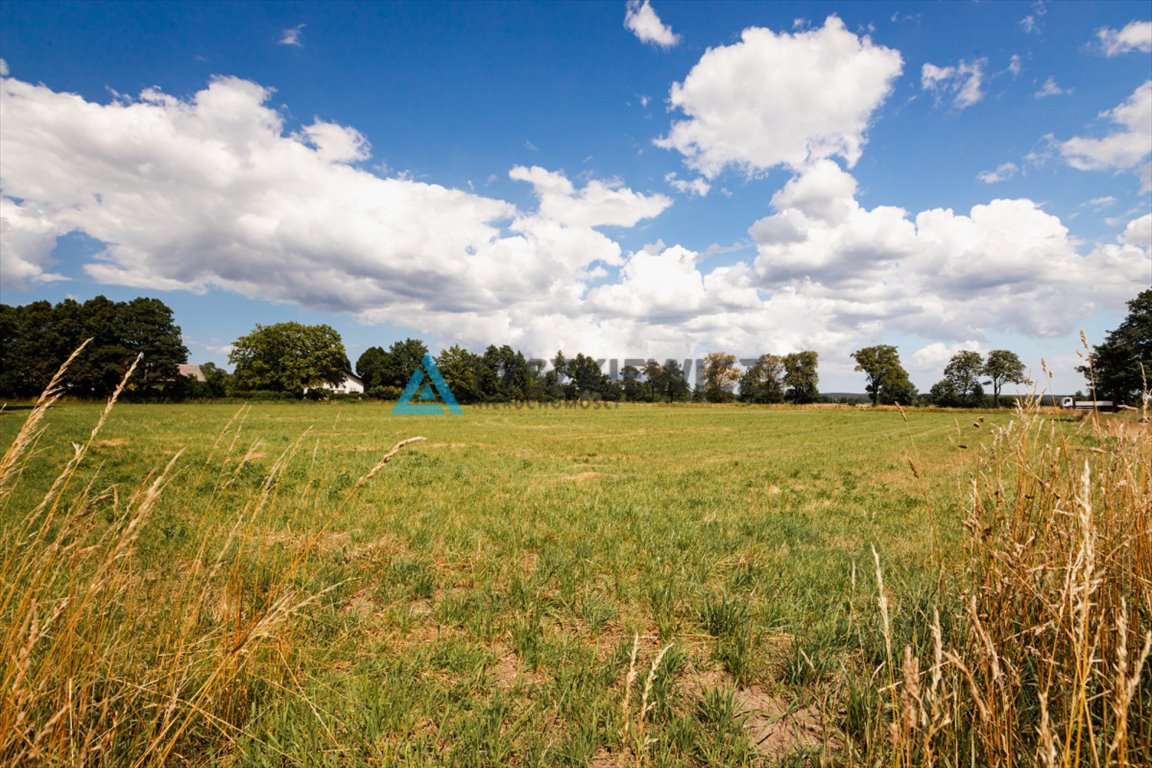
{"x":624,"y":179}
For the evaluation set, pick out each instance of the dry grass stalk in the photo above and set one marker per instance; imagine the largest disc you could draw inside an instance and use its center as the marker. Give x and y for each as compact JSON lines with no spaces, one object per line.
{"x":106,"y":661}
{"x":60,"y":485}
{"x":1040,"y":666}
{"x":629,"y":679}
{"x":379,"y":466}
{"x":633,"y":730}
{"x":645,"y":704}
{"x":31,"y":428}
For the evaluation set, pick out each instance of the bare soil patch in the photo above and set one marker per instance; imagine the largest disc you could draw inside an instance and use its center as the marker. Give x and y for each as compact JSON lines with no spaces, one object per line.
{"x":777,"y":727}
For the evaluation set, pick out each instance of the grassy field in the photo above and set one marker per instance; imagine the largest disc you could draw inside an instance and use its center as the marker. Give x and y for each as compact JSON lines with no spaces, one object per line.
{"x":642,"y":585}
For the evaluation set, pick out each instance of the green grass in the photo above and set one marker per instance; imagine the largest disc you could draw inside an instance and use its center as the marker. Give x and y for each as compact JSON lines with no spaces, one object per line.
{"x":478,"y":599}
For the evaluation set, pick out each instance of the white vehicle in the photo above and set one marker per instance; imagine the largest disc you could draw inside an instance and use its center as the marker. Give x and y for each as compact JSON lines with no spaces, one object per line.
{"x":1087,"y":405}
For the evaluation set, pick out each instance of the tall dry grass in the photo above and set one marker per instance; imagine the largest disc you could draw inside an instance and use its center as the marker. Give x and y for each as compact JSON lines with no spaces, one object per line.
{"x":634,"y":731}
{"x":108,"y":661}
{"x":1046,"y":659}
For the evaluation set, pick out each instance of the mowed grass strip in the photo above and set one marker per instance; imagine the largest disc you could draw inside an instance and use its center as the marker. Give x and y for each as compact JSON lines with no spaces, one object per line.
{"x":480,"y":599}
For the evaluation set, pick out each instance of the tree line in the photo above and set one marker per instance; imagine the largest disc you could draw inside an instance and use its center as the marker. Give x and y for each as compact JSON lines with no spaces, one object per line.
{"x":1120,"y":369}
{"x":295,"y":360}
{"x":502,"y":374}
{"x":36,"y":338}
{"x":965,"y":377}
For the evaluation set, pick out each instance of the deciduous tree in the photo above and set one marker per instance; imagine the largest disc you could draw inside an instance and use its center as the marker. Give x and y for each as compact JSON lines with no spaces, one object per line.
{"x":963,"y":373}
{"x":720,"y":376}
{"x":801,"y":378}
{"x":217,"y":381}
{"x":371,"y":367}
{"x":1122,"y":363}
{"x":631,"y":386}
{"x":943,"y":394}
{"x":888,"y":382}
{"x":401,"y":361}
{"x":585,"y":377}
{"x":763,"y":381}
{"x":30,"y":352}
{"x":655,"y":382}
{"x":460,"y":369}
{"x":676,"y":388}
{"x":1003,"y":367}
{"x":288,"y":357}
{"x":504,"y":374}
{"x":146,"y":327}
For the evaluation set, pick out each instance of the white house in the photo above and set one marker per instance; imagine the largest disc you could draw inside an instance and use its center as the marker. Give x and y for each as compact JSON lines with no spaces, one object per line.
{"x":352,"y":384}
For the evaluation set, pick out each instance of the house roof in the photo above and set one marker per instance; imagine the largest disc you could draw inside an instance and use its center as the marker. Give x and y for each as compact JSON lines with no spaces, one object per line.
{"x":185,"y":369}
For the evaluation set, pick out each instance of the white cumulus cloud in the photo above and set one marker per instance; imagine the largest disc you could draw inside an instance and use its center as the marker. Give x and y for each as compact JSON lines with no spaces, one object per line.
{"x":1005,"y":265}
{"x":599,"y":203}
{"x":781,"y":99}
{"x":641,"y":20}
{"x":27,"y":236}
{"x":214,"y":192}
{"x":336,"y":143}
{"x":1127,"y":148}
{"x":1138,"y":233}
{"x":1135,"y":36}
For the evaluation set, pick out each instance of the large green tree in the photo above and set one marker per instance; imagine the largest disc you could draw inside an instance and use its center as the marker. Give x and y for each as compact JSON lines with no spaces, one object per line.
{"x":401,"y":362}
{"x":1003,"y":367}
{"x":676,"y":387}
{"x":29,"y":353}
{"x":963,"y":373}
{"x":1123,"y":363}
{"x":9,"y":338}
{"x":632,"y":387}
{"x":504,"y":374}
{"x":655,"y":382}
{"x":801,"y":378}
{"x":888,"y":382}
{"x":393,"y":367}
{"x":763,"y":381}
{"x":217,"y":381}
{"x":585,"y":378}
{"x":288,"y":357}
{"x":107,"y":357}
{"x":461,"y":371}
{"x":372,"y":366}
{"x":720,"y":376}
{"x":147,"y":327}
{"x":943,"y":394}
